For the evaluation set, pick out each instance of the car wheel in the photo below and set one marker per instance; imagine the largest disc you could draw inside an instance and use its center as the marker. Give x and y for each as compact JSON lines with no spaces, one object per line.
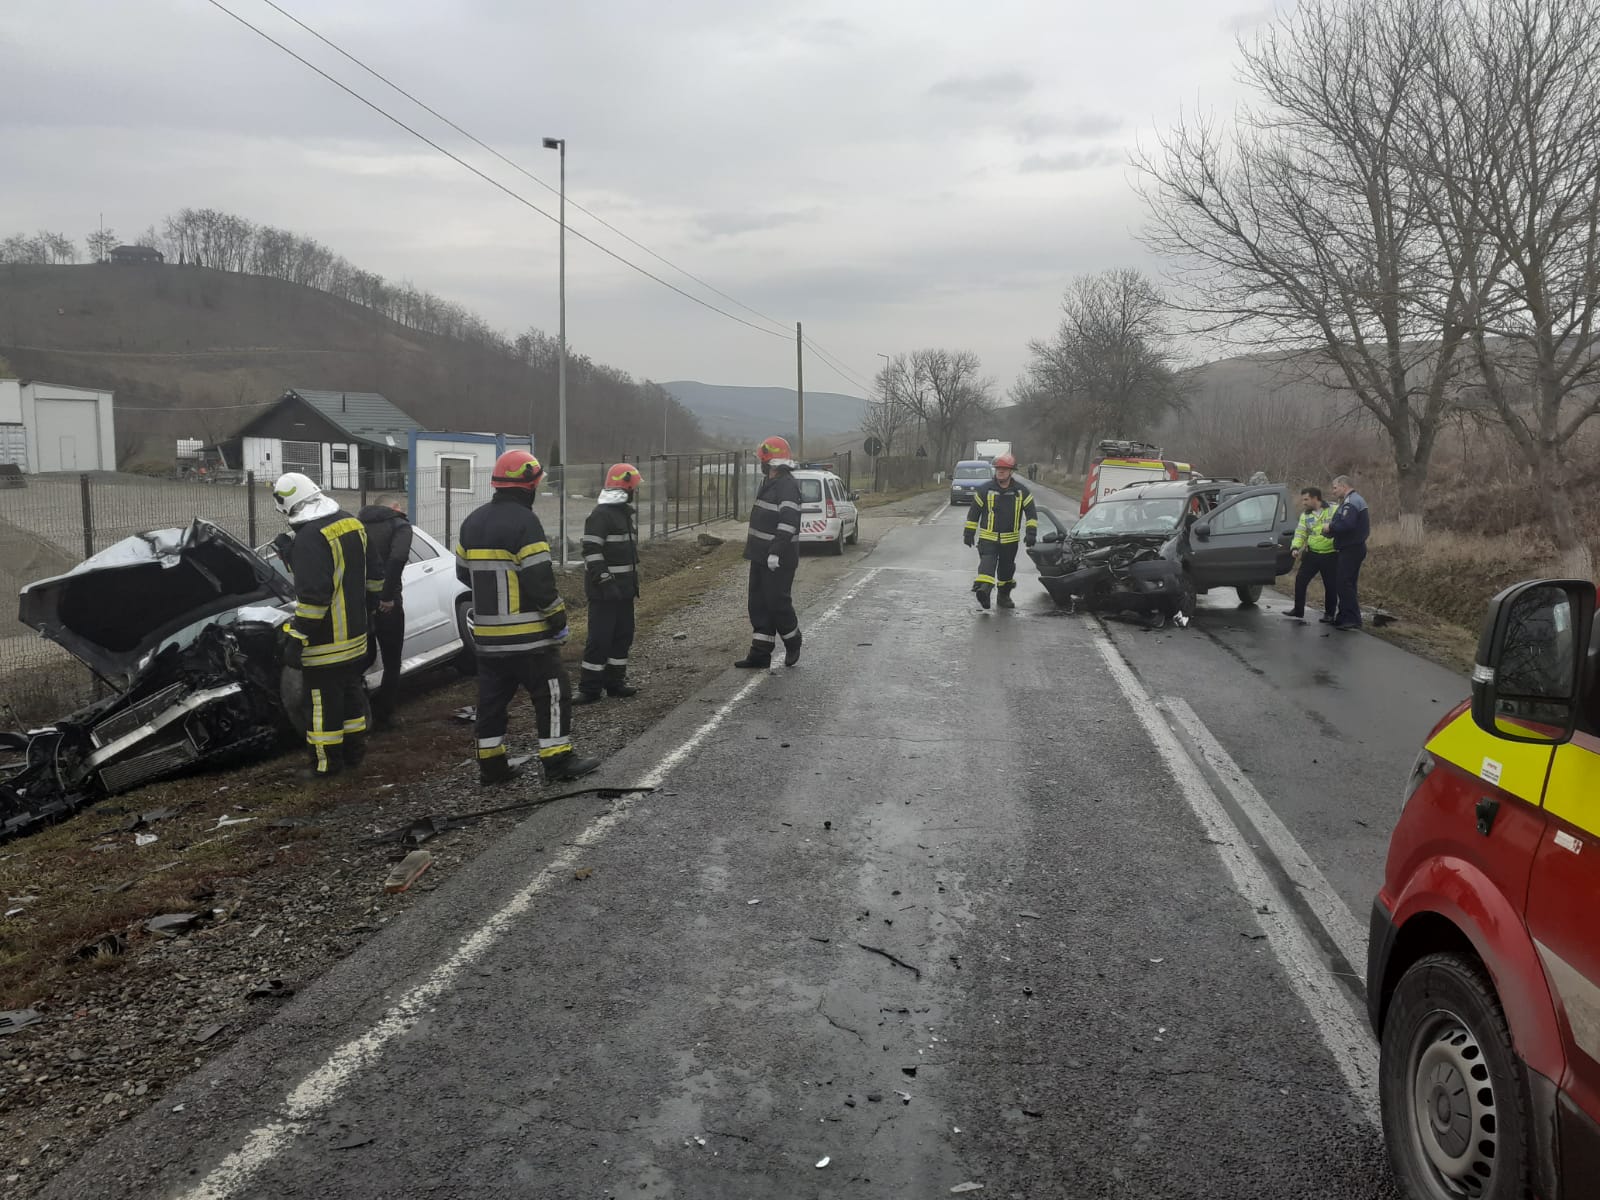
{"x":1249,"y":595}
{"x":1455,"y":1102}
{"x":836,"y":547}
{"x":467,"y":660}
{"x":855,"y":533}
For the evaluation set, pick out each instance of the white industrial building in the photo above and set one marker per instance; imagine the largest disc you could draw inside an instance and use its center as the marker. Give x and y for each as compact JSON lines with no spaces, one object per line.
{"x":52,"y":427}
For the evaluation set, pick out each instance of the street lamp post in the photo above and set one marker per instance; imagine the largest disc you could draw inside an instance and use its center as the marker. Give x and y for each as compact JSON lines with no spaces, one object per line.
{"x":561,"y":369}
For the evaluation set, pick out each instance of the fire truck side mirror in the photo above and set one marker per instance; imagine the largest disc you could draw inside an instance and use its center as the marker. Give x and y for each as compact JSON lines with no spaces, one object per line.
{"x":1528,"y":678}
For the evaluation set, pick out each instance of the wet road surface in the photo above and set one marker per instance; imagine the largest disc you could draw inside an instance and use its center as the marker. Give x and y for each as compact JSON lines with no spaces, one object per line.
{"x":1053,"y":905}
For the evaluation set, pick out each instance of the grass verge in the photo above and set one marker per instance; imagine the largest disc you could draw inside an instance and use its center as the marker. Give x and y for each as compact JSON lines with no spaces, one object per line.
{"x":84,"y":887}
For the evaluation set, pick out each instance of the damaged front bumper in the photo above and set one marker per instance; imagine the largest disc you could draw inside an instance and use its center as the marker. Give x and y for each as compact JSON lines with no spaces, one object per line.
{"x":1147,"y":585}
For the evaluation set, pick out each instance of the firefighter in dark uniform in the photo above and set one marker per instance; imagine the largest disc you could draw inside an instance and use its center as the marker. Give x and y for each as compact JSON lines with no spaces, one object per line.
{"x":772,"y":548}
{"x":1001,"y":516}
{"x":611,"y":585}
{"x":518,"y":623}
{"x":327,"y":635}
{"x":389,"y":548}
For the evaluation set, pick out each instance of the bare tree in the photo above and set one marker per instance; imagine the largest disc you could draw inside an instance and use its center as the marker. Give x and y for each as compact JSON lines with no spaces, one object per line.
{"x":1109,"y":370}
{"x":1300,"y":229}
{"x":1511,"y":149}
{"x":943,"y":391}
{"x":100,"y":243}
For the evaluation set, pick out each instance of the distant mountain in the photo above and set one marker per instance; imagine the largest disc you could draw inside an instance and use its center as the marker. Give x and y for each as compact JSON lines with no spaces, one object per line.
{"x":750,"y":413}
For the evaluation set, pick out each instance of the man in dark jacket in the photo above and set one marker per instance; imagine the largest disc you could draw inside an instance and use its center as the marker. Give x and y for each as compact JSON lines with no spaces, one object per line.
{"x":518,"y":624}
{"x":611,"y":585}
{"x":327,"y":635}
{"x":1350,"y":526}
{"x":1001,"y":516}
{"x":772,"y":548}
{"x":388,"y":551}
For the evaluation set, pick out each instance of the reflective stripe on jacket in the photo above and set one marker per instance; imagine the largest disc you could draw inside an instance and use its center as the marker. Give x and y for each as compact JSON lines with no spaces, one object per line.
{"x":1311,"y":531}
{"x":775,"y":520}
{"x":329,"y":564}
{"x":1001,"y":514}
{"x":610,"y":553}
{"x":503,"y":556}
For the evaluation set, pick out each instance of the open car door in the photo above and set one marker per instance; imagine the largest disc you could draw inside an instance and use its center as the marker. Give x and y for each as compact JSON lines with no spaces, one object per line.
{"x":1244,"y":540}
{"x":1049,"y":554}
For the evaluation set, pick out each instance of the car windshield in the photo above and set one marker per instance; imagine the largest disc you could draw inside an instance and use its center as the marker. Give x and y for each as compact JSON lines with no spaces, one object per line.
{"x":968,"y":471}
{"x":810,"y":491}
{"x":1131,"y":515}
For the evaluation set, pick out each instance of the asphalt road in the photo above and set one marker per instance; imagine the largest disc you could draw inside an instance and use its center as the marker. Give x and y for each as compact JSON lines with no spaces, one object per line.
{"x":1033,"y":901}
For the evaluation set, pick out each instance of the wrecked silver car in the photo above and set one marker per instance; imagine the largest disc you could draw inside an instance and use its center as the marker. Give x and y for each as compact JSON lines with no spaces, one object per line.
{"x":1152,"y":548}
{"x":182,"y":629}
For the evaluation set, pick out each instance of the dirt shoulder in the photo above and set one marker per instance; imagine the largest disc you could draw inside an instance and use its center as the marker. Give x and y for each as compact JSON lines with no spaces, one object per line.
{"x":285,"y":880}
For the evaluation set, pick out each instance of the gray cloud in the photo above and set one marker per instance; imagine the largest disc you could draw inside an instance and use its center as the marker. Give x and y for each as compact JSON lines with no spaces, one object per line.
{"x":1072,"y":160}
{"x":1243,"y":22}
{"x":992,"y":88}
{"x":731,"y":224}
{"x":1039,"y":126}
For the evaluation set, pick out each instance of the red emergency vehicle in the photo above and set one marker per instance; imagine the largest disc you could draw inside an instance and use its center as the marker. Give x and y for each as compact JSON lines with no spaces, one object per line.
{"x":1483,"y":969}
{"x":1122,"y":464}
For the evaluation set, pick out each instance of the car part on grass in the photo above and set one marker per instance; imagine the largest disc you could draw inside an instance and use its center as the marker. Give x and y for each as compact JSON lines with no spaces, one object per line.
{"x":18,"y":1019}
{"x":406,"y":872}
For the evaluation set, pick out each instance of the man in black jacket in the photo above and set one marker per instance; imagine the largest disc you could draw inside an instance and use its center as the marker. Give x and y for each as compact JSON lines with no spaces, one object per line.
{"x":388,"y":551}
{"x":518,"y":624}
{"x":611,"y":585}
{"x":327,"y":635}
{"x":772,"y":548}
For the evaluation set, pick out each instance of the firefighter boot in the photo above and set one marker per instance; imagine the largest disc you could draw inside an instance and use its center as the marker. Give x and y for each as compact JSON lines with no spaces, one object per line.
{"x":791,"y":649}
{"x":588,"y":696}
{"x":496,"y":770}
{"x":621,"y":689}
{"x":759,"y":657}
{"x":323,"y":766}
{"x":981,"y":590}
{"x":1004,"y":599}
{"x":355,"y":751}
{"x":563,"y":768}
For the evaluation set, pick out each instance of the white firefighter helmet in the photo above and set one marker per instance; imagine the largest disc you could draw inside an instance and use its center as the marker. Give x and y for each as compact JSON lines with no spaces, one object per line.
{"x":300,"y":500}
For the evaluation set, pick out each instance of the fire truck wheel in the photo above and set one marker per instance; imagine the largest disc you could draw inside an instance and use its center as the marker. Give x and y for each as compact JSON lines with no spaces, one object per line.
{"x":1455,"y":1101}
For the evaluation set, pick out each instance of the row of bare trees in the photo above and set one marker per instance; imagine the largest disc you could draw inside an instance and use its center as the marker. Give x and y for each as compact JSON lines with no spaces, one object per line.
{"x":51,"y":249}
{"x":936,"y":398}
{"x":1410,"y":205}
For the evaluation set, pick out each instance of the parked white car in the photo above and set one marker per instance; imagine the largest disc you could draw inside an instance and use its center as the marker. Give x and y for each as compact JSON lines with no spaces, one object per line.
{"x":828,"y":513}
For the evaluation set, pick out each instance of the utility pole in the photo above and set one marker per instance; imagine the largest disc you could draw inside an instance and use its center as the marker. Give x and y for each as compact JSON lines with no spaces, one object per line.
{"x":561,"y":368}
{"x":800,"y":391}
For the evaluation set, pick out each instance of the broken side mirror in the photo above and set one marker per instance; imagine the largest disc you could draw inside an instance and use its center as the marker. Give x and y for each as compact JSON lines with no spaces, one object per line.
{"x":1052,"y":536}
{"x":1526,"y":684}
{"x":1201,"y":531}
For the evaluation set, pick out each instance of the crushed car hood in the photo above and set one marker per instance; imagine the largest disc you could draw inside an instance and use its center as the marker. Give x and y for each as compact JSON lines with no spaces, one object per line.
{"x":113,"y":610}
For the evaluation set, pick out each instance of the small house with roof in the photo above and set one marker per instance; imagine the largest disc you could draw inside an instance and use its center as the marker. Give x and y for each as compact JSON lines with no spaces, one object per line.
{"x":343,"y":440}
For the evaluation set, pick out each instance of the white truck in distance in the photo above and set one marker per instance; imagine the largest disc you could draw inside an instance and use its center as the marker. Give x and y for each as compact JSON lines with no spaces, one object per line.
{"x":990,"y":450}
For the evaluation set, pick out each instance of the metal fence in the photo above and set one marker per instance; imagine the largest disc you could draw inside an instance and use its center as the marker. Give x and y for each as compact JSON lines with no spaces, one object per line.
{"x":52,"y":522}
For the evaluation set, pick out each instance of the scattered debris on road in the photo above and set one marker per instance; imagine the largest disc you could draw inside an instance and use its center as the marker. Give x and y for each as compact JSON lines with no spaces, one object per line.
{"x":966,"y":1187}
{"x":583,"y":873}
{"x":173,"y":924}
{"x":19,"y":1018}
{"x":899,"y":962}
{"x":407,"y":870}
{"x":272,"y":989}
{"x":824,"y":1161}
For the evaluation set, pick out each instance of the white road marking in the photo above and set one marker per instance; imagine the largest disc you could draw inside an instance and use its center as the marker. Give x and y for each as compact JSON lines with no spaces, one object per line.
{"x":321,"y":1089}
{"x":1329,"y":907}
{"x":1343,"y":1033}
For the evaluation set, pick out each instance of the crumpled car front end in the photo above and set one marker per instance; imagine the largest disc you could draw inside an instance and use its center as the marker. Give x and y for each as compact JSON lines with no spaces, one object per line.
{"x":182,"y":627}
{"x":1121,"y":575}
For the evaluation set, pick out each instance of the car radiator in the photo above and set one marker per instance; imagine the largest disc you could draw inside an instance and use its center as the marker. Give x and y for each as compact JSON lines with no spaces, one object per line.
{"x":129,"y":772}
{"x":135,"y":715}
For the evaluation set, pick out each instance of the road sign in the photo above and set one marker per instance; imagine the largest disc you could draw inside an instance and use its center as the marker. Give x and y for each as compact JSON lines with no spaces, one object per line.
{"x":873,"y":447}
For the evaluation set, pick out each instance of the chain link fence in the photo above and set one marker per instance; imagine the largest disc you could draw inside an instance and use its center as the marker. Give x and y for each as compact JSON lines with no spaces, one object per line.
{"x":50,"y":523}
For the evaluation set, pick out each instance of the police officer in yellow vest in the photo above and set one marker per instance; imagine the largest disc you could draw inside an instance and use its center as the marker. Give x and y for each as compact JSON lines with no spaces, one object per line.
{"x":1313,"y":548}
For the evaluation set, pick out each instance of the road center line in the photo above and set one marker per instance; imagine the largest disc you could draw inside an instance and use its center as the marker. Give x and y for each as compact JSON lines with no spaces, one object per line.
{"x":320,"y":1090}
{"x":1327,"y":905}
{"x":1342,"y":1031}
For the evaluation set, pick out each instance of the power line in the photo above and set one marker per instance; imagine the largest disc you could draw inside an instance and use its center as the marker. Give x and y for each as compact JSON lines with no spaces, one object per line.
{"x":376,"y":74}
{"x":495,"y":183}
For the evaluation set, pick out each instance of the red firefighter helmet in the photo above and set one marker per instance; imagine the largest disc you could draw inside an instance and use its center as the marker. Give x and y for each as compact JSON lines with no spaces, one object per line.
{"x":516,"y":469}
{"x":624,"y":476}
{"x":1005,"y":462}
{"x":775,"y":452}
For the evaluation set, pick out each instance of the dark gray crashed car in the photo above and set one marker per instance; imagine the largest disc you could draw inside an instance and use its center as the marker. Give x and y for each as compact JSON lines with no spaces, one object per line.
{"x":182,"y":627}
{"x":1154,"y":547}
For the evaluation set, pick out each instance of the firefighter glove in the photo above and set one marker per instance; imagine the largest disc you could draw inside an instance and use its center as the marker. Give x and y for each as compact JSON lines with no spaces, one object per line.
{"x":293,"y":646}
{"x":283,"y":543}
{"x":968,"y":537}
{"x":772,"y":562}
{"x":1029,"y":538}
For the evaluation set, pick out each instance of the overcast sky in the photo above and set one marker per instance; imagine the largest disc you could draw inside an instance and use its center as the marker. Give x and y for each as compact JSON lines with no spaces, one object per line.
{"x":893,"y":173}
